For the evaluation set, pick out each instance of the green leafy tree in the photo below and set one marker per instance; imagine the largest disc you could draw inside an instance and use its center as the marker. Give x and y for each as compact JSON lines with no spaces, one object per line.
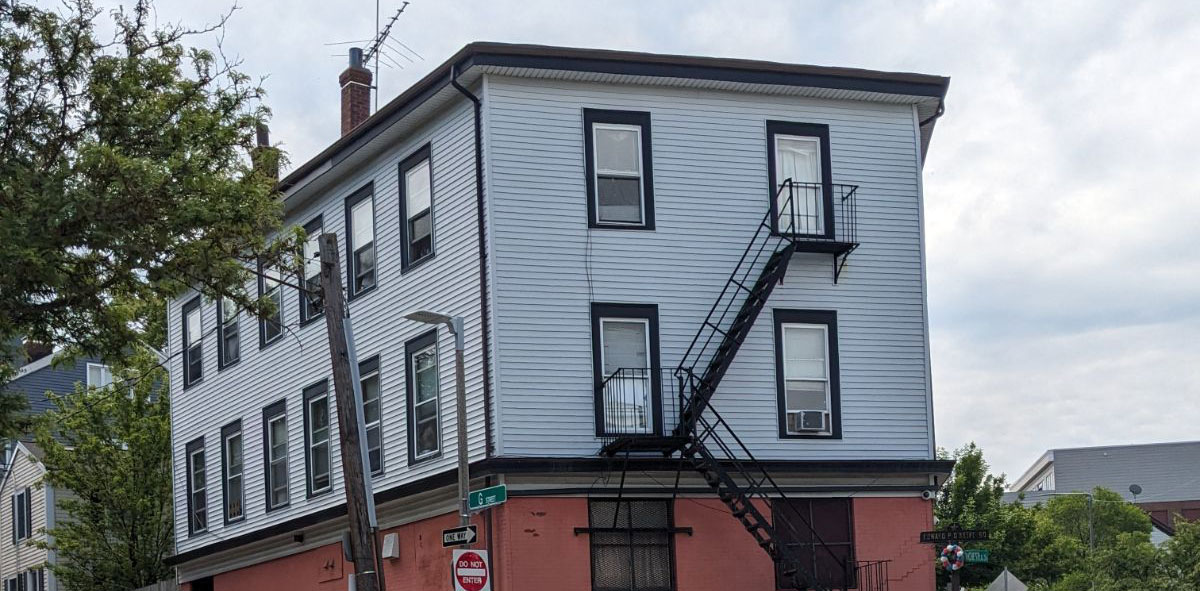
{"x":111,"y":449}
{"x":1182,"y":557}
{"x":128,"y":171}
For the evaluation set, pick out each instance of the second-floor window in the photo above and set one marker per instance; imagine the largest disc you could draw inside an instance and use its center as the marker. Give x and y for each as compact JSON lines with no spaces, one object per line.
{"x":310,"y":301}
{"x":799,"y":168}
{"x":416,"y":207}
{"x":275,"y":454}
{"x":98,"y":375}
{"x":424,"y":433}
{"x":360,"y":227}
{"x":270,"y":329}
{"x":197,"y":488}
{"x":22,"y":516}
{"x":227,"y":333}
{"x":316,"y":438}
{"x":620,"y":183}
{"x":232,"y":469}
{"x":807,"y":372}
{"x":368,"y":372}
{"x":193,"y":343}
{"x":625,"y":365}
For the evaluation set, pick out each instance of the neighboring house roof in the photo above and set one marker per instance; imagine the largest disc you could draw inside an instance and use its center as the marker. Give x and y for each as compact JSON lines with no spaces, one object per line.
{"x":41,"y":376}
{"x":22,"y":450}
{"x":1164,"y":471}
{"x":609,"y":66}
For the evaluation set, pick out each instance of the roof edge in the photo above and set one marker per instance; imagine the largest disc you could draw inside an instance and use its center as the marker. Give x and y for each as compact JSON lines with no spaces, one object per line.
{"x":484,"y":53}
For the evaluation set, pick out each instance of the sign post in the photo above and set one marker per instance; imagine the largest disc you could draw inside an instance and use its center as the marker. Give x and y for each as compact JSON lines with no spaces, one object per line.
{"x":470,"y":571}
{"x":487,"y":497}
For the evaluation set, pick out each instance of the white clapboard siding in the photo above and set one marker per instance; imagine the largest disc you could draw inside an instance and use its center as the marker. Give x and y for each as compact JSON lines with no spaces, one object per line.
{"x":449,"y":283}
{"x":22,"y":556}
{"x":710,"y":178}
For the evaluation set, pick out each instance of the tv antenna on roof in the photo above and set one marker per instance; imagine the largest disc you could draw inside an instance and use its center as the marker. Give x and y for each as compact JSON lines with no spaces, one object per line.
{"x":376,"y":47}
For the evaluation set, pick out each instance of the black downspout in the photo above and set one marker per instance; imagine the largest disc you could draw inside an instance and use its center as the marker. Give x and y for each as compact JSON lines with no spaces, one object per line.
{"x":483,"y":280}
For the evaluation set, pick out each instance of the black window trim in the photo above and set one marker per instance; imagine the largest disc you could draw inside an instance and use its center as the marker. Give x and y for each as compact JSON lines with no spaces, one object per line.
{"x":233,"y":428}
{"x":263,"y":343}
{"x":363,"y":193}
{"x":316,"y":224}
{"x":270,"y":412}
{"x":369,"y":365}
{"x":237,"y":323}
{"x":670,"y":531}
{"x":193,"y":446}
{"x":192,"y":304}
{"x":424,"y":153}
{"x":648,"y":312}
{"x":312,"y":392}
{"x":852,"y":544}
{"x":828,"y":318}
{"x":22,"y":502}
{"x":411,"y":346}
{"x":641,"y":119}
{"x":821,"y":132}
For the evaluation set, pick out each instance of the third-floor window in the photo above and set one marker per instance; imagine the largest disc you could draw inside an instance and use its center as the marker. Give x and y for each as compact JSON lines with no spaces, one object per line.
{"x":193,"y":349}
{"x":270,"y":329}
{"x":620,"y":183}
{"x":416,"y":207}
{"x":227,"y":329}
{"x":360,"y":228}
{"x":310,"y":302}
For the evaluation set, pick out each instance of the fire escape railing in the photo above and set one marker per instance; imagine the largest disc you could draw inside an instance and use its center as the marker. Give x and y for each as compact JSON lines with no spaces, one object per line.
{"x":638,"y":401}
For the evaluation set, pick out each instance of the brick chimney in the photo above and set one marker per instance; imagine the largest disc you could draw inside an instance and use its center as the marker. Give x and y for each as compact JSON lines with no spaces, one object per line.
{"x":356,"y":92}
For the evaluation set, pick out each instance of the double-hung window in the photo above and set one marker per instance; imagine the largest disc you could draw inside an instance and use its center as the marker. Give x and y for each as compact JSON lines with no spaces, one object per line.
{"x":270,"y":329}
{"x":631,"y":544}
{"x":424,"y":432}
{"x":317,"y":456}
{"x":275,"y":454}
{"x":807,"y":373}
{"x":416,"y":207}
{"x":620,"y":183}
{"x":799,"y":171}
{"x":360,"y":227}
{"x":193,"y":343}
{"x":99,"y":375}
{"x":310,"y":299}
{"x":368,"y":372}
{"x":197,"y":487}
{"x":626,"y":369}
{"x":232,"y":486}
{"x":22,"y":515}
{"x":821,"y":533}
{"x":228,"y":344}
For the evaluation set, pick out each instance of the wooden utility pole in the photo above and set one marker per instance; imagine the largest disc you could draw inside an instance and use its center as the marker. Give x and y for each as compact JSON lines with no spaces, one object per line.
{"x":362,"y":540}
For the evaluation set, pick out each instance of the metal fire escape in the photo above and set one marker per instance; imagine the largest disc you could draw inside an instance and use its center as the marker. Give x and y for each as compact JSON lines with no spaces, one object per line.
{"x":803,"y":217}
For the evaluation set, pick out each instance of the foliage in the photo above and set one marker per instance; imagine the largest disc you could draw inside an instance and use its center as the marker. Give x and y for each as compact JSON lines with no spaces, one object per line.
{"x":111,"y":448}
{"x":1047,"y":545}
{"x":128,"y":172}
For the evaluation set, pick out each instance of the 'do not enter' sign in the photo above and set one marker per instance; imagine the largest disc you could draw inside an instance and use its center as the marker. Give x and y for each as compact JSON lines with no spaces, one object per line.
{"x":470,"y":571}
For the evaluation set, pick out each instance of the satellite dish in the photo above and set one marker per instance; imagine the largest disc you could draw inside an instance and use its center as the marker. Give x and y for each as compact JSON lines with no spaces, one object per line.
{"x":1135,"y":489}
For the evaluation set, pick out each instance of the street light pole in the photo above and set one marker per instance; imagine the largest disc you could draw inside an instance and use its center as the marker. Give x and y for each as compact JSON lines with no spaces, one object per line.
{"x":455,"y":324}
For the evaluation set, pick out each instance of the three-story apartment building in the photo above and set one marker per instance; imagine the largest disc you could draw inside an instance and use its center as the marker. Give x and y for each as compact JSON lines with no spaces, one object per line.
{"x":695,"y":330}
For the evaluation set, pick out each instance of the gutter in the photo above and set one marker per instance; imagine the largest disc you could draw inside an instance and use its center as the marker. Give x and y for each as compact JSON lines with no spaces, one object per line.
{"x":483,"y":283}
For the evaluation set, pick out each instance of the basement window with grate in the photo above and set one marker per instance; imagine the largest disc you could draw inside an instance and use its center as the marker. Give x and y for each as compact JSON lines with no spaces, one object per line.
{"x":632,"y":545}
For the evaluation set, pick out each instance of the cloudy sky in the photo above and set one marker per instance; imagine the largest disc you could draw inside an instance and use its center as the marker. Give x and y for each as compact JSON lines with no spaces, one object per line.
{"x":1061,"y":186}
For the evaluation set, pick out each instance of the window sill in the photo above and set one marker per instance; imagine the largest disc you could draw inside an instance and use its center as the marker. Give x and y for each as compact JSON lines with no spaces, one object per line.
{"x":264,"y":344}
{"x":593,"y":225}
{"x":350,"y":297}
{"x":417,"y":263}
{"x":234,"y":521}
{"x":221,"y":368}
{"x":810,"y":435}
{"x":187,"y":384}
{"x":413,"y":461}
{"x":319,"y":493}
{"x":279,"y":507}
{"x":308,"y":321}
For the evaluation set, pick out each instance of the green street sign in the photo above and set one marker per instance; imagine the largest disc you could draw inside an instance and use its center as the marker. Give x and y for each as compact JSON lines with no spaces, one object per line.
{"x":975,"y":556}
{"x":487,"y":497}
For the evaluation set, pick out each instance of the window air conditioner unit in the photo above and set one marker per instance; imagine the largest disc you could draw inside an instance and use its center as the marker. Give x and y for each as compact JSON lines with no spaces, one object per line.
{"x":808,"y":420}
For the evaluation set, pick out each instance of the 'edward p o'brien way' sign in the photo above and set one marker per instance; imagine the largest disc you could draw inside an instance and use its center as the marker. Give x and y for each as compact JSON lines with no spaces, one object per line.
{"x":953,"y":535}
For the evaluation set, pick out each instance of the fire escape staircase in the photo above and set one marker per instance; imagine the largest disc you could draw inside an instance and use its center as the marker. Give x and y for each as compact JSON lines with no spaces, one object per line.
{"x":702,"y":437}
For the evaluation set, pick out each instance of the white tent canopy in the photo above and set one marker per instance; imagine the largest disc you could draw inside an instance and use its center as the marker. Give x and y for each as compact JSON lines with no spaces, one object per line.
{"x":1007,"y":582}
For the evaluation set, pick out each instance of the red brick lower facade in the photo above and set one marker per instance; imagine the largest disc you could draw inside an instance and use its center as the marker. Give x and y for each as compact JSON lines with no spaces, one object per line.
{"x":535,"y":547}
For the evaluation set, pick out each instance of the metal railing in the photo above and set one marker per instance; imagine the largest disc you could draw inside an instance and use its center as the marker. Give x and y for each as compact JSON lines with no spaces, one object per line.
{"x":637,"y":401}
{"x":816,"y":212}
{"x":871,"y":575}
